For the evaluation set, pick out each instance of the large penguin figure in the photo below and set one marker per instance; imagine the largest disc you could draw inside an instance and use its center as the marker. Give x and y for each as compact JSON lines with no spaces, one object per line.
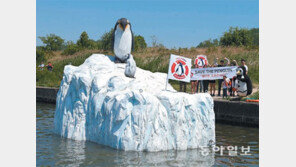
{"x":123,"y":40}
{"x":243,"y":83}
{"x":123,"y":44}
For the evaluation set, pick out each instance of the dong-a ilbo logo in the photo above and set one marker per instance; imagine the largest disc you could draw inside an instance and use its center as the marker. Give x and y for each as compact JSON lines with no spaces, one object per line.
{"x":179,"y":68}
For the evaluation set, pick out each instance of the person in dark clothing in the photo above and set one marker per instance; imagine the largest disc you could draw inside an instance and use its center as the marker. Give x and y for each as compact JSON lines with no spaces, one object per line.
{"x":49,"y":66}
{"x":206,"y":86}
{"x":193,"y":82}
{"x":201,"y":88}
{"x":205,"y":83}
{"x":182,"y":86}
{"x":221,"y":80}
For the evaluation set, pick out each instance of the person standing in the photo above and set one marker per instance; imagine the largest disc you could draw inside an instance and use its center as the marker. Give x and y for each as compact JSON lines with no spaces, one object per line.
{"x":198,"y":82}
{"x":232,"y":85}
{"x":243,"y":62}
{"x":221,"y":80}
{"x":182,"y":86}
{"x":194,"y":83}
{"x":41,"y":66}
{"x":212,"y":85}
{"x":205,"y":83}
{"x":225,"y":86}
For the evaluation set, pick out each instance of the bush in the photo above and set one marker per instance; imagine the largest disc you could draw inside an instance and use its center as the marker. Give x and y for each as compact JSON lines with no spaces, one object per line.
{"x":105,"y":42}
{"x":40,"y":55}
{"x":84,"y":41}
{"x":54,"y":78}
{"x":208,"y":43}
{"x":139,"y":43}
{"x":236,"y":37}
{"x":70,"y":49}
{"x":52,"y":42}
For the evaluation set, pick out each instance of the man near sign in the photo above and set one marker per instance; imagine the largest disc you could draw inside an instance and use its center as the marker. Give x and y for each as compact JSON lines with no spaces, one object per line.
{"x":222,"y":64}
{"x":201,"y":61}
{"x":194,"y":82}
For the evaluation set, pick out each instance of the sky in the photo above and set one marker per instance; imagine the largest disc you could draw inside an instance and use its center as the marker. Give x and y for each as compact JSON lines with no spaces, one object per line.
{"x":174,"y":23}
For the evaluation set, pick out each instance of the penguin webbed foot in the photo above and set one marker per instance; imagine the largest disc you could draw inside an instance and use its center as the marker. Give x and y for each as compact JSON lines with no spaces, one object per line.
{"x":117,"y":60}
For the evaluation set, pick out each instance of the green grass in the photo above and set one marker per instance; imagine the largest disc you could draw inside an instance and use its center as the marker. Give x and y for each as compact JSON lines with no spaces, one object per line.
{"x":54,"y":78}
{"x":156,"y":60}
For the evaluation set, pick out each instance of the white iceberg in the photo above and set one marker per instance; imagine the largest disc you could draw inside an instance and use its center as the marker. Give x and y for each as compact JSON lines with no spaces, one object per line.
{"x":97,"y":102}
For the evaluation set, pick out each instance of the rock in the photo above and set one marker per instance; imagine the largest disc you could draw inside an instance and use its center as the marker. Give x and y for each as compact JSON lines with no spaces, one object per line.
{"x":97,"y":102}
{"x":130,"y":68}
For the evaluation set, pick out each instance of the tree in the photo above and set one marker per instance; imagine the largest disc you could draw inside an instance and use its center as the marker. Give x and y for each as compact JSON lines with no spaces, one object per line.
{"x":105,"y":42}
{"x":208,"y":43}
{"x":236,"y":37}
{"x":40,"y":55}
{"x":92,"y":44}
{"x":52,"y":42}
{"x":139,"y":43}
{"x":83,"y":41}
{"x":254,"y":34}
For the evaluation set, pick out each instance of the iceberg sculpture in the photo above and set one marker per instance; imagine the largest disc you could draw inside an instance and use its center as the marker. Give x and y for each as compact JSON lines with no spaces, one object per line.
{"x":97,"y":102}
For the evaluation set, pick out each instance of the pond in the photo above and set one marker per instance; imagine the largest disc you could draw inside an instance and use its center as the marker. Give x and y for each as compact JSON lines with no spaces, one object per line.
{"x":53,"y":150}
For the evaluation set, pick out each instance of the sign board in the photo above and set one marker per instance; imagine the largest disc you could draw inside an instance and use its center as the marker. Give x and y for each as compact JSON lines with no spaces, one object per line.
{"x":213,"y":73}
{"x":179,"y":68}
{"x":201,"y":61}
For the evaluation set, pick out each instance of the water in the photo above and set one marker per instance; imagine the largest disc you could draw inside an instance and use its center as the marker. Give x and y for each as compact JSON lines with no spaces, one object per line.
{"x":52,"y":150}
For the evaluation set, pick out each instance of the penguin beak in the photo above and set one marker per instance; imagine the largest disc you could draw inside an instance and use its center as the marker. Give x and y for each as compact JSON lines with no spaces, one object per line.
{"x":123,"y":25}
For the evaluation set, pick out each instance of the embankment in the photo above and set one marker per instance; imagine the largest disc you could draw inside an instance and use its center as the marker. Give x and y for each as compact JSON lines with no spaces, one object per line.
{"x":228,"y":112}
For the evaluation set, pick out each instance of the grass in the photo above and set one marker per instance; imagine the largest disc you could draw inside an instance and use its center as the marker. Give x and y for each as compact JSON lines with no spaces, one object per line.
{"x":153,"y":59}
{"x":54,"y":78}
{"x":254,"y":96}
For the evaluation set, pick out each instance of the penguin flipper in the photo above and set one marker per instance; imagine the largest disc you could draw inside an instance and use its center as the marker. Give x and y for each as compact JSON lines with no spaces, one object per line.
{"x":249,"y":85}
{"x":113,"y":37}
{"x":133,"y":41}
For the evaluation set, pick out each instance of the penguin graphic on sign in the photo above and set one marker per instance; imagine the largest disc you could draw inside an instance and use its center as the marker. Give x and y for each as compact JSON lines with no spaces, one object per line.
{"x":180,"y":69}
{"x":201,"y":60}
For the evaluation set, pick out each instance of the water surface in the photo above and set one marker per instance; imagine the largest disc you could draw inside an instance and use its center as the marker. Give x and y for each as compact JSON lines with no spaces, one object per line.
{"x":52,"y":150}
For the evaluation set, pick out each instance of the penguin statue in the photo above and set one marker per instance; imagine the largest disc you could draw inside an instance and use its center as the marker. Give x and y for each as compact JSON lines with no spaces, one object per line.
{"x":243,"y":83}
{"x":123,"y":44}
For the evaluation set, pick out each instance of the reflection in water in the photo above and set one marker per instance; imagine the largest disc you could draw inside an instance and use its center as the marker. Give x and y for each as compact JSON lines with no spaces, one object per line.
{"x":53,"y":150}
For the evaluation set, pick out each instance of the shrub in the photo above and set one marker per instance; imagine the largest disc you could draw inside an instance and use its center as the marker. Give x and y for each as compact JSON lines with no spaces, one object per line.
{"x":139,"y":43}
{"x":105,"y":42}
{"x":52,"y":42}
{"x":83,"y":41}
{"x":40,"y":55}
{"x":236,"y":37}
{"x":70,"y":49}
{"x":208,"y":43}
